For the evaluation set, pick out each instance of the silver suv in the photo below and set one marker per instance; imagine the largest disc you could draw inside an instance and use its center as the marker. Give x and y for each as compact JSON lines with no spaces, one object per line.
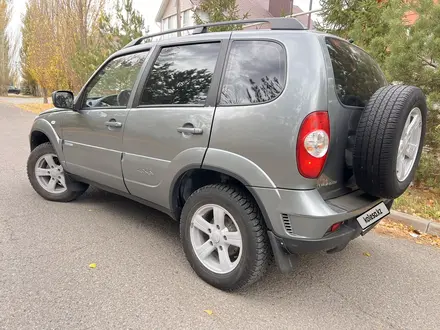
{"x":260,"y":143}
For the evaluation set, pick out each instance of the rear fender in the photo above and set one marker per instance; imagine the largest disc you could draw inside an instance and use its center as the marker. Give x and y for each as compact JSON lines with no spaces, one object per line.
{"x":239,"y":166}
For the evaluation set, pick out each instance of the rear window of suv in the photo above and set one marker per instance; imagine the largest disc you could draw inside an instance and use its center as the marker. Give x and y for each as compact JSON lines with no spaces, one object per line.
{"x":357,"y":75}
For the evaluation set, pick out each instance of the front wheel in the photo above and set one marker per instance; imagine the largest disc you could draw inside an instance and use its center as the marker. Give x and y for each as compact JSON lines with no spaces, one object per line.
{"x":47,"y":176}
{"x":224,"y":237}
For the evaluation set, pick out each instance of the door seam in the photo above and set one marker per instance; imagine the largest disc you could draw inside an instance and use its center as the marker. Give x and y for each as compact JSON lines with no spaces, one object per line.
{"x":122,"y":172}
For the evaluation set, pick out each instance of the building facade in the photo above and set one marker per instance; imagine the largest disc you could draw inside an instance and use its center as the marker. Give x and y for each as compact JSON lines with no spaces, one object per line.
{"x":167,"y":15}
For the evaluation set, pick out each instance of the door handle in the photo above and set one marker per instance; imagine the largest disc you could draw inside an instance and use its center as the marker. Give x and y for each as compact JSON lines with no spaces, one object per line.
{"x":190,"y":130}
{"x":113,"y":124}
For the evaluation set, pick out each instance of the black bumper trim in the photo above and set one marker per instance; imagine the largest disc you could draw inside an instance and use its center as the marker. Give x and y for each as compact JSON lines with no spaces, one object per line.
{"x":338,"y":239}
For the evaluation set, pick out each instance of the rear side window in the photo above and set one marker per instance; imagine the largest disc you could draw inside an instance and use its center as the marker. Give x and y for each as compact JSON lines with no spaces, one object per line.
{"x":357,"y":75}
{"x":256,"y":73}
{"x":181,"y":75}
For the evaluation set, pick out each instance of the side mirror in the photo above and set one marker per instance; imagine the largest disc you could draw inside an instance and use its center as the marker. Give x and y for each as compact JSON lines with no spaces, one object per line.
{"x":63,"y":99}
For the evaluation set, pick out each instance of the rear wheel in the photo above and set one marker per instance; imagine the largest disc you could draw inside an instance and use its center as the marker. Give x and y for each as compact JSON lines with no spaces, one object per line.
{"x":47,"y":176}
{"x":224,"y":237}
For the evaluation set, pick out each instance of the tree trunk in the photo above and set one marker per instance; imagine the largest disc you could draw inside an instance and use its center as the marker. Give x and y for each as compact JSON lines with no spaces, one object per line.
{"x":45,"y":100}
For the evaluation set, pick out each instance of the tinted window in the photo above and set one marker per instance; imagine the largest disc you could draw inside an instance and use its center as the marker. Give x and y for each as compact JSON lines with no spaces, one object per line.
{"x":357,"y":76}
{"x":255,"y":72}
{"x":181,"y":75}
{"x":112,"y":86}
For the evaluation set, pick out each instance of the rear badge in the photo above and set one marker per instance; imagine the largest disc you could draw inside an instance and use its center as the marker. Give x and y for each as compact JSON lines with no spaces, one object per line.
{"x":325,"y":181}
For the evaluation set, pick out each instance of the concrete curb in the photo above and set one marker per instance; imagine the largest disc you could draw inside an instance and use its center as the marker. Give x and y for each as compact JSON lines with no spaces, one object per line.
{"x":422,"y":225}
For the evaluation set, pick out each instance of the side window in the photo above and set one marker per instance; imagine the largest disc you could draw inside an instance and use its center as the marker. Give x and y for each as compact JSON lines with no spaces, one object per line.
{"x":357,"y":76}
{"x":256,"y":73}
{"x":181,"y":75}
{"x":112,"y":86}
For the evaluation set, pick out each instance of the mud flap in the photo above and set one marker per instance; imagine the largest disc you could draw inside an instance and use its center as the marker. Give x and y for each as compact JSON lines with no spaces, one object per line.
{"x":286,"y":262}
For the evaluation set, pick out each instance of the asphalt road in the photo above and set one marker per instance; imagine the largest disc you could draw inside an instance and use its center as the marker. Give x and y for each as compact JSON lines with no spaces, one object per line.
{"x":142,"y":280}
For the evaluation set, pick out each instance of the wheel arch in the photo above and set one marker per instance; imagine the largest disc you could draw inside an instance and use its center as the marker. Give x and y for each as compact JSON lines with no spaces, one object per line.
{"x":42,"y":132}
{"x":191,"y":178}
{"x":37,"y":138}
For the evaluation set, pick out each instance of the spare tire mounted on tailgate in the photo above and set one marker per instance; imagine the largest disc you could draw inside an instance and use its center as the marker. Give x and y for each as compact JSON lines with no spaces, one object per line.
{"x":389,"y":140}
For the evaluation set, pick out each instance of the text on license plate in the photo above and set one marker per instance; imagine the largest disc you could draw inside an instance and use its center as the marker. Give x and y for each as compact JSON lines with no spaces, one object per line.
{"x":373,"y":215}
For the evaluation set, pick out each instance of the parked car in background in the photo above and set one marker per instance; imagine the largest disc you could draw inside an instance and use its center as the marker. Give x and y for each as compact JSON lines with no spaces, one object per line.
{"x":260,"y":143}
{"x":13,"y":90}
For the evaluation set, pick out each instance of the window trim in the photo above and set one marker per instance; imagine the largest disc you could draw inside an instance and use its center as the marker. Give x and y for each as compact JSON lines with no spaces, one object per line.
{"x":79,"y":103}
{"x":329,"y":61}
{"x":219,"y":94}
{"x":212,"y":92}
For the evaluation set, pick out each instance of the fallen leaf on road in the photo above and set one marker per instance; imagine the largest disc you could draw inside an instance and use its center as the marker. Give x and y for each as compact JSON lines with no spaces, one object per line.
{"x":208,"y":311}
{"x":92,"y":265}
{"x":367,"y":254}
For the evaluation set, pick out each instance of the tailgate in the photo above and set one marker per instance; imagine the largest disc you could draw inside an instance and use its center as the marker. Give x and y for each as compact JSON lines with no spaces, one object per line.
{"x":353,"y":77}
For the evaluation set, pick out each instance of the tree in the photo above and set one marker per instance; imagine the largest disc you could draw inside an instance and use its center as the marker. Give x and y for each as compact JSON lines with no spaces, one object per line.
{"x":41,"y":46}
{"x":112,"y":33}
{"x":408,"y":53}
{"x":220,"y":11}
{"x":360,"y":20}
{"x":4,"y":47}
{"x":53,"y":31}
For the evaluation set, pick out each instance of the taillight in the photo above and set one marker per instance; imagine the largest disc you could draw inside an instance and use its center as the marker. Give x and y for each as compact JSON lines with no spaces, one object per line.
{"x":312,"y":145}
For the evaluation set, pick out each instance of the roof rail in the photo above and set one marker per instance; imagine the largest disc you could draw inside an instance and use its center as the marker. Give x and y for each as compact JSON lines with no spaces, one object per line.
{"x":277,"y":23}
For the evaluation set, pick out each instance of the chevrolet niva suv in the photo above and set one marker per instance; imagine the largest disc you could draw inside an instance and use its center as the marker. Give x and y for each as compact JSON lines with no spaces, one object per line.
{"x":260,"y":143}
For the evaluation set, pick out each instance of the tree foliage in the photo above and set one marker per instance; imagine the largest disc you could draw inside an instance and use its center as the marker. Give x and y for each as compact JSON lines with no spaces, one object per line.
{"x":220,"y":11}
{"x":408,"y":51}
{"x":113,"y":32}
{"x":4,"y":47}
{"x":64,"y":41}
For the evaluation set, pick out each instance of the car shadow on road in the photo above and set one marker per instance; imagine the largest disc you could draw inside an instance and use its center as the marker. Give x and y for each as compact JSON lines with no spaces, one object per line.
{"x":134,"y":213}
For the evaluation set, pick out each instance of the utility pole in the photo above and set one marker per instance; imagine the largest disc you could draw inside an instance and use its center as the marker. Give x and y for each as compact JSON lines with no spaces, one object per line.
{"x":310,"y":15}
{"x":179,"y":18}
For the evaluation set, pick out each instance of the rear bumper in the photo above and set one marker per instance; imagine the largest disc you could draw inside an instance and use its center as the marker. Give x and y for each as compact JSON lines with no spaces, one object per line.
{"x":298,"y":221}
{"x":286,"y":250}
{"x":303,"y":215}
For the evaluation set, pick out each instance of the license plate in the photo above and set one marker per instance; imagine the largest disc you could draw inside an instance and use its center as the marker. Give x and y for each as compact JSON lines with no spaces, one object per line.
{"x":373,"y":215}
